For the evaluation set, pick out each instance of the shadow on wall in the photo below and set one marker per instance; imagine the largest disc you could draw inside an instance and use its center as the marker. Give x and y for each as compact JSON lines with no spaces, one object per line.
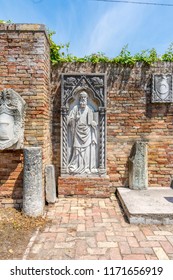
{"x":11,"y":174}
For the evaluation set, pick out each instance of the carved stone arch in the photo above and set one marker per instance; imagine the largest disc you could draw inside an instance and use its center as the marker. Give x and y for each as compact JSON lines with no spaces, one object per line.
{"x":93,"y":100}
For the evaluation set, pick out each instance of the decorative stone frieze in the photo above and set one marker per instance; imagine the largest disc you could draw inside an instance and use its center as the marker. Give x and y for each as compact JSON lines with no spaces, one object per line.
{"x":138,"y":166}
{"x":83,"y":124}
{"x":12,"y":112}
{"x":162,"y":88}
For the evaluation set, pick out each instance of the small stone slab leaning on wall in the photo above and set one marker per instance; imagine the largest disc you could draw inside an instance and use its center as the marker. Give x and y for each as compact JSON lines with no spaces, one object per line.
{"x":33,"y":198}
{"x":50,"y":183}
{"x":138,"y":166}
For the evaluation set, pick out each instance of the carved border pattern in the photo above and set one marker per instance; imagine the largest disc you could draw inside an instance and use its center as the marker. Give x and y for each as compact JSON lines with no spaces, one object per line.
{"x":102,"y":140}
{"x":64,"y":113}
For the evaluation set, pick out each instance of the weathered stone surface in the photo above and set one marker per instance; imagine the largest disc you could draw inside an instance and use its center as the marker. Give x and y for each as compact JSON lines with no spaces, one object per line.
{"x":25,"y":68}
{"x":12,"y":111}
{"x":138,"y":170}
{"x":50,"y":183}
{"x":156,"y":206}
{"x":162,"y":88}
{"x":83,"y":106}
{"x":33,"y":199}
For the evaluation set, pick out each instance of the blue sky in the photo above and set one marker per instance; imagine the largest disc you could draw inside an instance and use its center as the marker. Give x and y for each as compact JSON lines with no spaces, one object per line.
{"x":92,"y":26}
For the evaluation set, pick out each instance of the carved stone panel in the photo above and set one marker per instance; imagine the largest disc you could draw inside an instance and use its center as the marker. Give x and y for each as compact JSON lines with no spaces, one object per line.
{"x":12,"y":110}
{"x":138,"y":166}
{"x":162,"y":88}
{"x":83,"y":122}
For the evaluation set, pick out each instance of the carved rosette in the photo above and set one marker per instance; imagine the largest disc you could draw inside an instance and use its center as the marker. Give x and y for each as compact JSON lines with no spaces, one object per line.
{"x":12,"y":113}
{"x":162,"y":88}
{"x":94,"y":85}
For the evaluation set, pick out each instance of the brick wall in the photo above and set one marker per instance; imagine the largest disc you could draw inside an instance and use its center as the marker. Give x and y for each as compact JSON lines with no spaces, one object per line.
{"x":25,"y":67}
{"x":130,"y":116}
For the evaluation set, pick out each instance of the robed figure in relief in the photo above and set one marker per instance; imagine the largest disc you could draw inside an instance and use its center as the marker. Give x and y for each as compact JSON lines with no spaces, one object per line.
{"x":83,"y":129}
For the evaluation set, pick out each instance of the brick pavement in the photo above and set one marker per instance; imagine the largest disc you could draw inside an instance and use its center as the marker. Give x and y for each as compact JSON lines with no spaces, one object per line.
{"x":93,"y":228}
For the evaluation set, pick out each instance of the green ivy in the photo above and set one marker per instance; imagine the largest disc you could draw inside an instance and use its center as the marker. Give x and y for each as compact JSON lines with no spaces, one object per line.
{"x":5,"y":21}
{"x":59,"y":53}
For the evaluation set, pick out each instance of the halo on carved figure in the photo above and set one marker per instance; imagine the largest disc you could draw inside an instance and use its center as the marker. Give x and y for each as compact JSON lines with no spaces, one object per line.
{"x":12,"y":108}
{"x":93,"y":101}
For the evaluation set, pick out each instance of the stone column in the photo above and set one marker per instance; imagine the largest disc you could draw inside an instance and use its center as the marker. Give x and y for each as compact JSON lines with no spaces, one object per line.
{"x":138,"y":166}
{"x":33,"y":197}
{"x":50,"y":183}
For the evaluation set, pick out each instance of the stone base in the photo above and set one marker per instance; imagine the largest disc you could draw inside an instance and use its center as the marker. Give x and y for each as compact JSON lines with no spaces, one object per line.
{"x":82,"y":186}
{"x":152,"y":206}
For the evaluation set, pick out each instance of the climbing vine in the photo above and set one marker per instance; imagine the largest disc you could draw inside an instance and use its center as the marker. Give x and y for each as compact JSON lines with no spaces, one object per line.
{"x":60,"y":53}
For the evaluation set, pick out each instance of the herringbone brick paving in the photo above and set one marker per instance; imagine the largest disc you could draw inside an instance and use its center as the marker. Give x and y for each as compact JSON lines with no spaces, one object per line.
{"x":93,"y":228}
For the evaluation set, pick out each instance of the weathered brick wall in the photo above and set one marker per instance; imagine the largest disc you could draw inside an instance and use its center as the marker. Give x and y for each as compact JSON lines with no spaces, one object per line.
{"x":25,"y":67}
{"x":130,"y":116}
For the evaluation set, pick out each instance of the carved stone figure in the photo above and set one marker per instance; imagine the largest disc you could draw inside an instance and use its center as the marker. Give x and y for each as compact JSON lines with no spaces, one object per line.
{"x":162,"y":89}
{"x":83,"y":117}
{"x":12,"y":108}
{"x":83,"y":138}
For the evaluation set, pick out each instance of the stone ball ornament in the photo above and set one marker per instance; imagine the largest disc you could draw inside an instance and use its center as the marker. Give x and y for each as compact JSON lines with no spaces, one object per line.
{"x":12,"y":113}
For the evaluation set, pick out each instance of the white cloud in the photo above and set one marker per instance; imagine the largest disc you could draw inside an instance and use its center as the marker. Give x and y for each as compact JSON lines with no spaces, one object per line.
{"x":114,"y":27}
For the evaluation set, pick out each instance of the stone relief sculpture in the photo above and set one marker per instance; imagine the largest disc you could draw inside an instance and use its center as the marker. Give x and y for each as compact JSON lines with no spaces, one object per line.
{"x":162,"y":88}
{"x":12,"y":110}
{"x":83,"y":140}
{"x":83,"y":125}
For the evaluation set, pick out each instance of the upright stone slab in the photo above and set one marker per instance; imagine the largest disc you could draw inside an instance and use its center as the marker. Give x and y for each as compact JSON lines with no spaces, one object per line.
{"x":50,"y":183}
{"x":33,"y":199}
{"x":83,"y":123}
{"x":138,"y":166}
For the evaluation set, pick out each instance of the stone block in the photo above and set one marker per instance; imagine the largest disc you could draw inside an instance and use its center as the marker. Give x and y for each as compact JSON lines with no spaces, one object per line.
{"x":50,"y":183}
{"x":33,"y":198}
{"x":162,"y":88}
{"x":138,"y":166}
